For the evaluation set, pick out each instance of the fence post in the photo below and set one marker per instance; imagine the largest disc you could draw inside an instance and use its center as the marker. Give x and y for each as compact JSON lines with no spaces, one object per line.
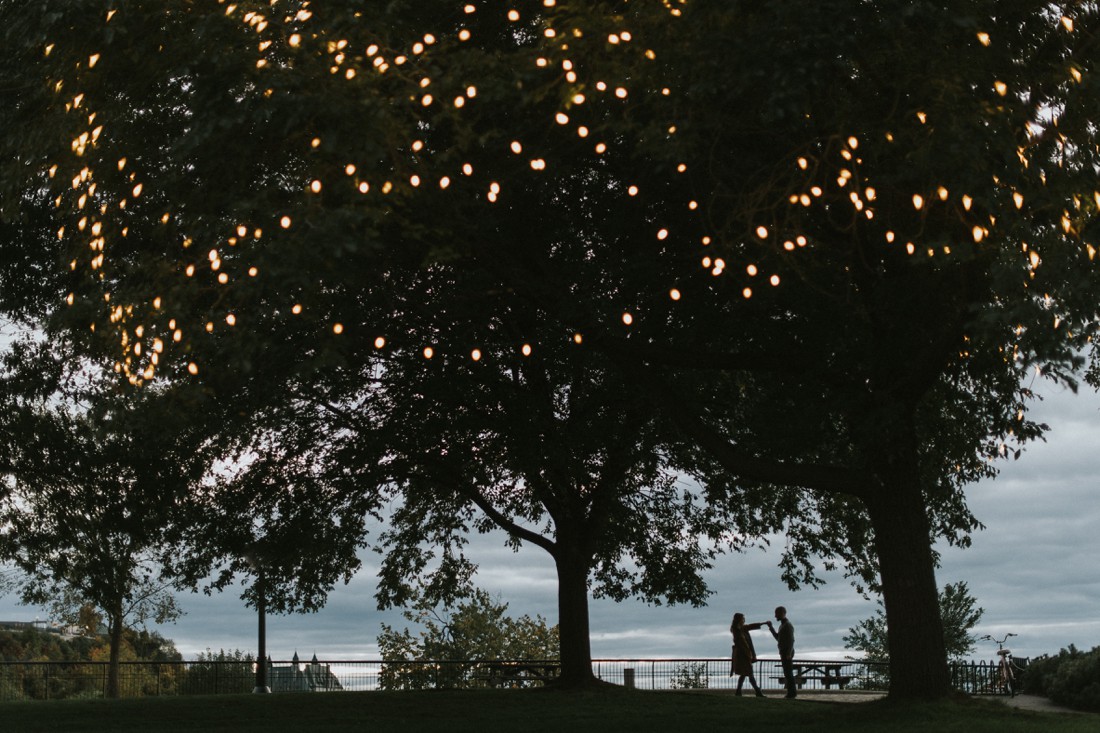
{"x":628,"y":678}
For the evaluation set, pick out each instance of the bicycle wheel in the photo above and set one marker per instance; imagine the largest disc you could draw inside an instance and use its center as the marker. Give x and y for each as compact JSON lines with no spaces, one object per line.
{"x":1010,"y":681}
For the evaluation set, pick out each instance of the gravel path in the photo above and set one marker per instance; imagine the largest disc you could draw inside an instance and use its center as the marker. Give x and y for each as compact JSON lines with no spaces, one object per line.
{"x":1024,"y":702}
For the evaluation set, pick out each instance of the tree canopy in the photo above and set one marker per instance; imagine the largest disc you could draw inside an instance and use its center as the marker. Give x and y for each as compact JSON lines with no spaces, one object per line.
{"x":828,"y":247}
{"x":87,"y":500}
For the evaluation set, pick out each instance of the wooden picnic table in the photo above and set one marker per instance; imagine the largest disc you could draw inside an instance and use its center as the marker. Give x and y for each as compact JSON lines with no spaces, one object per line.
{"x":827,"y":673}
{"x":515,"y":673}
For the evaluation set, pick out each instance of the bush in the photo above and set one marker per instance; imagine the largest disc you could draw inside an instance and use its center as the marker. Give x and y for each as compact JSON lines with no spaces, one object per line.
{"x":1072,"y":678}
{"x":219,"y":672}
{"x":690,"y":677}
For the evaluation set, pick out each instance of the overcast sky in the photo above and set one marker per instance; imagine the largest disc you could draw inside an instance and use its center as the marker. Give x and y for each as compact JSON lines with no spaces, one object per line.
{"x":1033,"y":569}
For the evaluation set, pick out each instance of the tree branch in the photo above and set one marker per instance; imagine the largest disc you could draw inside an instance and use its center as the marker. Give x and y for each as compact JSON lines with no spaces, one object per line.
{"x":816,"y":477}
{"x":483,"y":503}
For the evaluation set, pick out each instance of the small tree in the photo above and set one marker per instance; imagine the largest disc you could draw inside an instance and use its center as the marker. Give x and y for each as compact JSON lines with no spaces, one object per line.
{"x":476,"y":629}
{"x":86,"y":493}
{"x":960,"y":615}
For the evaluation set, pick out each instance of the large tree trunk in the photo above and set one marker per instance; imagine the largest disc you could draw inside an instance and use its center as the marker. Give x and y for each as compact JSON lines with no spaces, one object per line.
{"x":114,"y":632}
{"x":918,"y":657}
{"x":573,"y":630}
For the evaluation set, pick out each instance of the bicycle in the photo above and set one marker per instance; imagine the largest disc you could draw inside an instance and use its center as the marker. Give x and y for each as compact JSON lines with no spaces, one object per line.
{"x":1006,"y":677}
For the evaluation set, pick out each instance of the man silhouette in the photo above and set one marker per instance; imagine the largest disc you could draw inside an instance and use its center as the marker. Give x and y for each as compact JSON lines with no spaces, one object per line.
{"x":785,"y":638}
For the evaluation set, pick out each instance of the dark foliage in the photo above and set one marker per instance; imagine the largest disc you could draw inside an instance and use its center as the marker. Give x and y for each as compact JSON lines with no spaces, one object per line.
{"x":1071,"y":678}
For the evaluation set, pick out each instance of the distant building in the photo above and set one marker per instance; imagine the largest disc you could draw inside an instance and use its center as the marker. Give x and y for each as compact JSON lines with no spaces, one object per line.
{"x":298,"y":677}
{"x":46,"y":627}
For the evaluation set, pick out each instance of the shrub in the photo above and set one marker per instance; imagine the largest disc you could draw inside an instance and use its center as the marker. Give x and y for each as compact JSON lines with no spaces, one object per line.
{"x":219,"y":672}
{"x":690,"y":677}
{"x":1072,"y":678}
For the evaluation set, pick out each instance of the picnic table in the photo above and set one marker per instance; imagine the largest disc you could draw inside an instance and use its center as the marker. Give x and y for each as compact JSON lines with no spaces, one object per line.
{"x":827,"y":673}
{"x":511,"y":673}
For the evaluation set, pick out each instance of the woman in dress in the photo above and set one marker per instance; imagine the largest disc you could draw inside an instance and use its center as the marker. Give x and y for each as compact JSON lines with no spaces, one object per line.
{"x":744,"y":655}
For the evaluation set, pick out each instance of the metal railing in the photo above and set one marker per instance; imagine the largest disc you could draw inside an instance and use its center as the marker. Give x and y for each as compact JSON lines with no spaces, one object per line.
{"x":67,"y":680}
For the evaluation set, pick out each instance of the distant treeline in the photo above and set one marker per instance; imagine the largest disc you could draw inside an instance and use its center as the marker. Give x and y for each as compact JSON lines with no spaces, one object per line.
{"x":35,"y":645}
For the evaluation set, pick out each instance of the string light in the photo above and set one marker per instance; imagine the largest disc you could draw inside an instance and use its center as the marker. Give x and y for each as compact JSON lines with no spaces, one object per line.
{"x":824,"y":169}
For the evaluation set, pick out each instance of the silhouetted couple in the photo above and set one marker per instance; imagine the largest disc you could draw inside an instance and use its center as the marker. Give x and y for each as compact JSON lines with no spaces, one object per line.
{"x":744,"y":655}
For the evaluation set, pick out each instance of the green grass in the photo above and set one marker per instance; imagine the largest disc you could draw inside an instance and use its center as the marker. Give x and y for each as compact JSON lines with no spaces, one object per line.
{"x":525,"y":711}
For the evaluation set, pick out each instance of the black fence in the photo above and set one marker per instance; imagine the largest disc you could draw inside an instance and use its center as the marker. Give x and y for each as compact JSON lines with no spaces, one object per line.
{"x":69,"y":680}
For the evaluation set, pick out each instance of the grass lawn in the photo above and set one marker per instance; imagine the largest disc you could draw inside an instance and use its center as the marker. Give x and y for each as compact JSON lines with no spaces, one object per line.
{"x":524,"y":711}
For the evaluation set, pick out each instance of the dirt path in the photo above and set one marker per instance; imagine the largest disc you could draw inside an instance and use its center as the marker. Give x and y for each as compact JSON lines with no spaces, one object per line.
{"x":1039,"y":704}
